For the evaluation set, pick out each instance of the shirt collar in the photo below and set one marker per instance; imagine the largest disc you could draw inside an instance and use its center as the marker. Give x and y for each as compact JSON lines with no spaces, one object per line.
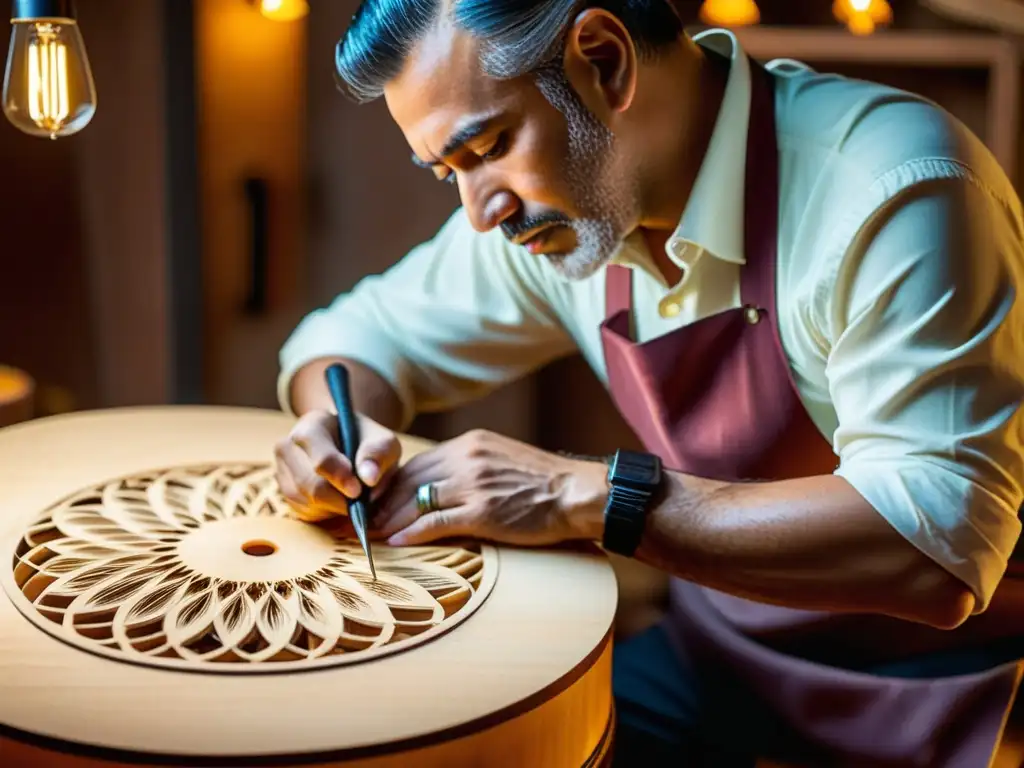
{"x":714,"y":214}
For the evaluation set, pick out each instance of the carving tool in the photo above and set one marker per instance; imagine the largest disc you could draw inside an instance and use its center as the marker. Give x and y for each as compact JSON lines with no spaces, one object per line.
{"x":348,"y":432}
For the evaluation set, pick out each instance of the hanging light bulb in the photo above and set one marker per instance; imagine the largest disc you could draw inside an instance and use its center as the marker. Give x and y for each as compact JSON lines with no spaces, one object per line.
{"x":862,"y":17}
{"x":284,"y":10}
{"x":730,"y":13}
{"x":48,"y":87}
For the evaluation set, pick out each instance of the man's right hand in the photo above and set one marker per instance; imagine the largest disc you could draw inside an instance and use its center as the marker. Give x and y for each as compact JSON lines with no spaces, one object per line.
{"x":317,"y":479}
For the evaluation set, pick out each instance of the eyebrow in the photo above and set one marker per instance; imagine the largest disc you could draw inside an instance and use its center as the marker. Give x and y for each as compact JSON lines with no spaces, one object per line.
{"x":465,"y":134}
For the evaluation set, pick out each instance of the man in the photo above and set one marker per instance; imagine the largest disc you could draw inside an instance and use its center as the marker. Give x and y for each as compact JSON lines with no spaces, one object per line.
{"x":801,"y":291}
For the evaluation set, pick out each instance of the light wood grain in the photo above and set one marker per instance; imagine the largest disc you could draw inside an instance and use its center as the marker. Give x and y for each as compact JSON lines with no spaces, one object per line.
{"x":207,"y":567}
{"x":525,"y":680}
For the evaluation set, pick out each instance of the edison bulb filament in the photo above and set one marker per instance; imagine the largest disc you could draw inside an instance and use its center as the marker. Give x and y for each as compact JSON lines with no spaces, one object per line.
{"x":48,"y":87}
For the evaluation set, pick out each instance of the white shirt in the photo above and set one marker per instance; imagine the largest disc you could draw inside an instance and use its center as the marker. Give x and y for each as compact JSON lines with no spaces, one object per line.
{"x":900,"y":255}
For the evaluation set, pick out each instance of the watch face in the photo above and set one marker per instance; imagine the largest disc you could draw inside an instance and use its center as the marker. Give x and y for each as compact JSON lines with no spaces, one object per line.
{"x":636,"y":469}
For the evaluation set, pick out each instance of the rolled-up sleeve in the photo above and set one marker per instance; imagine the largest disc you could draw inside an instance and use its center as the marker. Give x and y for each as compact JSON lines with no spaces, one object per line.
{"x":455,"y":318}
{"x":926,"y":372}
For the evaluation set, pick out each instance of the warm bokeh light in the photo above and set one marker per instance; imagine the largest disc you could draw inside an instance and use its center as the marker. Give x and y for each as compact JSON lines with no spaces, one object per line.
{"x":284,"y":10}
{"x":730,"y":13}
{"x":16,"y":396}
{"x":862,"y":17}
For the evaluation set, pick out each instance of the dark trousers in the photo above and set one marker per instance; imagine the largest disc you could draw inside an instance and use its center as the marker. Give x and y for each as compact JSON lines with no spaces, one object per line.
{"x":670,"y":716}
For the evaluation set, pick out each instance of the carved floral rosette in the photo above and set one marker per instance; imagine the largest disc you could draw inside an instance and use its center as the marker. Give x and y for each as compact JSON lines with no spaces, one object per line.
{"x":203,"y":568}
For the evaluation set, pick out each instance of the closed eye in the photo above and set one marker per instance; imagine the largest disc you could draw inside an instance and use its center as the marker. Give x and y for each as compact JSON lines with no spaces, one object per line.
{"x":499,"y":148}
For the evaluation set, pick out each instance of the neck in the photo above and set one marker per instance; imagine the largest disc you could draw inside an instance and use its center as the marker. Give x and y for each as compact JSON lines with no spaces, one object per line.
{"x":685,"y":95}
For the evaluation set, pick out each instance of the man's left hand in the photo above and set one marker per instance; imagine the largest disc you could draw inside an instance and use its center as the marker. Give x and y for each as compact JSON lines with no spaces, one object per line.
{"x":488,"y":486}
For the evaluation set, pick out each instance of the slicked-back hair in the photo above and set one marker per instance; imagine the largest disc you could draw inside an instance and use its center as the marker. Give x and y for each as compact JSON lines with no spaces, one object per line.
{"x":517,"y":36}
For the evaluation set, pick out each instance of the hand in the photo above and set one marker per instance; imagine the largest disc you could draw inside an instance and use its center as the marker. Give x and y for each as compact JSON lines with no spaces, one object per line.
{"x":493,"y":487}
{"x":317,"y":479}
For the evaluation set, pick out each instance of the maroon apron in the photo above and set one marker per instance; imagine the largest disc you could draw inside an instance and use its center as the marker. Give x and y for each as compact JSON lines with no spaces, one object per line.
{"x":716,"y":399}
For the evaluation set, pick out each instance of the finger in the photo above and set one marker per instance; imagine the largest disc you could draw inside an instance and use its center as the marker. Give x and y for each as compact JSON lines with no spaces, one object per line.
{"x":340,"y":527}
{"x":379,"y":451}
{"x":314,"y":514}
{"x":423,"y":468}
{"x":399,"y":503}
{"x":296,"y":501}
{"x":311,"y":513}
{"x":315,"y":438}
{"x":383,"y":485}
{"x":447,"y":494}
{"x":314,"y":491}
{"x":390,"y":518}
{"x":437,"y":525}
{"x":319,"y":492}
{"x":422,"y":462}
{"x":397,"y":518}
{"x":298,"y":509}
{"x":287,"y":455}
{"x":285,"y":482}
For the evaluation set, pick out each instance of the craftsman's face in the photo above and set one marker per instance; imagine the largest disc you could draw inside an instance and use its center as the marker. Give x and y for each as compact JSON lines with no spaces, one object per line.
{"x":526,"y":154}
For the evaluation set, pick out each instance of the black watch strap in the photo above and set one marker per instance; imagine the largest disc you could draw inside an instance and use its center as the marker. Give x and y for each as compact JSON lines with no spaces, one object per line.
{"x":634,"y":479}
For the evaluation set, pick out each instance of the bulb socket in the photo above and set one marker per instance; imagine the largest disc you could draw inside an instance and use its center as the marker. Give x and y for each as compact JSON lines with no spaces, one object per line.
{"x":35,"y":10}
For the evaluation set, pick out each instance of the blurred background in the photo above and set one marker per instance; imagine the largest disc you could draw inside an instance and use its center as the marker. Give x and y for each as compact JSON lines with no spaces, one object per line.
{"x":225,"y":188}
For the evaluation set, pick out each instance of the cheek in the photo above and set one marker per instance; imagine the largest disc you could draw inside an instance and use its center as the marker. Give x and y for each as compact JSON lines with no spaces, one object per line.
{"x":535,"y":169}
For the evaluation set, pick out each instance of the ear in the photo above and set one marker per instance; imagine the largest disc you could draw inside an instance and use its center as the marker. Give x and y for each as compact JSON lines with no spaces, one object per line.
{"x":600,"y":63}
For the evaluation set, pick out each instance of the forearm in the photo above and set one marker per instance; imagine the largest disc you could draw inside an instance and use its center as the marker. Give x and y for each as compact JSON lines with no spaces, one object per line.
{"x":812,"y":544}
{"x":373,"y":396}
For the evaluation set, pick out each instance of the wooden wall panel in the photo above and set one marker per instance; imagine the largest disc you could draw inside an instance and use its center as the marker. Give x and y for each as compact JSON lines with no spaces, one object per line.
{"x":121,"y":182}
{"x":252,"y":117}
{"x":45,"y":320}
{"x":89,"y":305}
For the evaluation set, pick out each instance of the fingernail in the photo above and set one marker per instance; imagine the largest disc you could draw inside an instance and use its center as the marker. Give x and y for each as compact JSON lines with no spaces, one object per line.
{"x":395,"y":541}
{"x":369,"y":472}
{"x":351,"y":488}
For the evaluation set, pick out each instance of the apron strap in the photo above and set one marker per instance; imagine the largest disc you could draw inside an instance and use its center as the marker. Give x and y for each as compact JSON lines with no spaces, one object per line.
{"x":761,"y":198}
{"x":618,"y":290}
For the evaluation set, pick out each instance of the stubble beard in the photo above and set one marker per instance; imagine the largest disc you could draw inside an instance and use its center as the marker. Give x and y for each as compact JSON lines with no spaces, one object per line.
{"x":604,"y":201}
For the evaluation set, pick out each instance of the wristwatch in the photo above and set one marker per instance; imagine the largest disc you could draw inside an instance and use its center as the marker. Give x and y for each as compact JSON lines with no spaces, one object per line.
{"x":634,"y":479}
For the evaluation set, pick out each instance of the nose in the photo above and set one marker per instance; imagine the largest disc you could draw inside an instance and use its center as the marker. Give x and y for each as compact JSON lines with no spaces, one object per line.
{"x":490,"y":212}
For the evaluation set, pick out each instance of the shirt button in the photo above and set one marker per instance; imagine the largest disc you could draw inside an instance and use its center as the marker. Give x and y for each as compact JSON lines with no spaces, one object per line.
{"x":670,"y":310}
{"x":751,"y":314}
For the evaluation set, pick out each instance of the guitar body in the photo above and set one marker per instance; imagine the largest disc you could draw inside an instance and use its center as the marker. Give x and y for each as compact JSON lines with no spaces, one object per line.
{"x":160,"y":605}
